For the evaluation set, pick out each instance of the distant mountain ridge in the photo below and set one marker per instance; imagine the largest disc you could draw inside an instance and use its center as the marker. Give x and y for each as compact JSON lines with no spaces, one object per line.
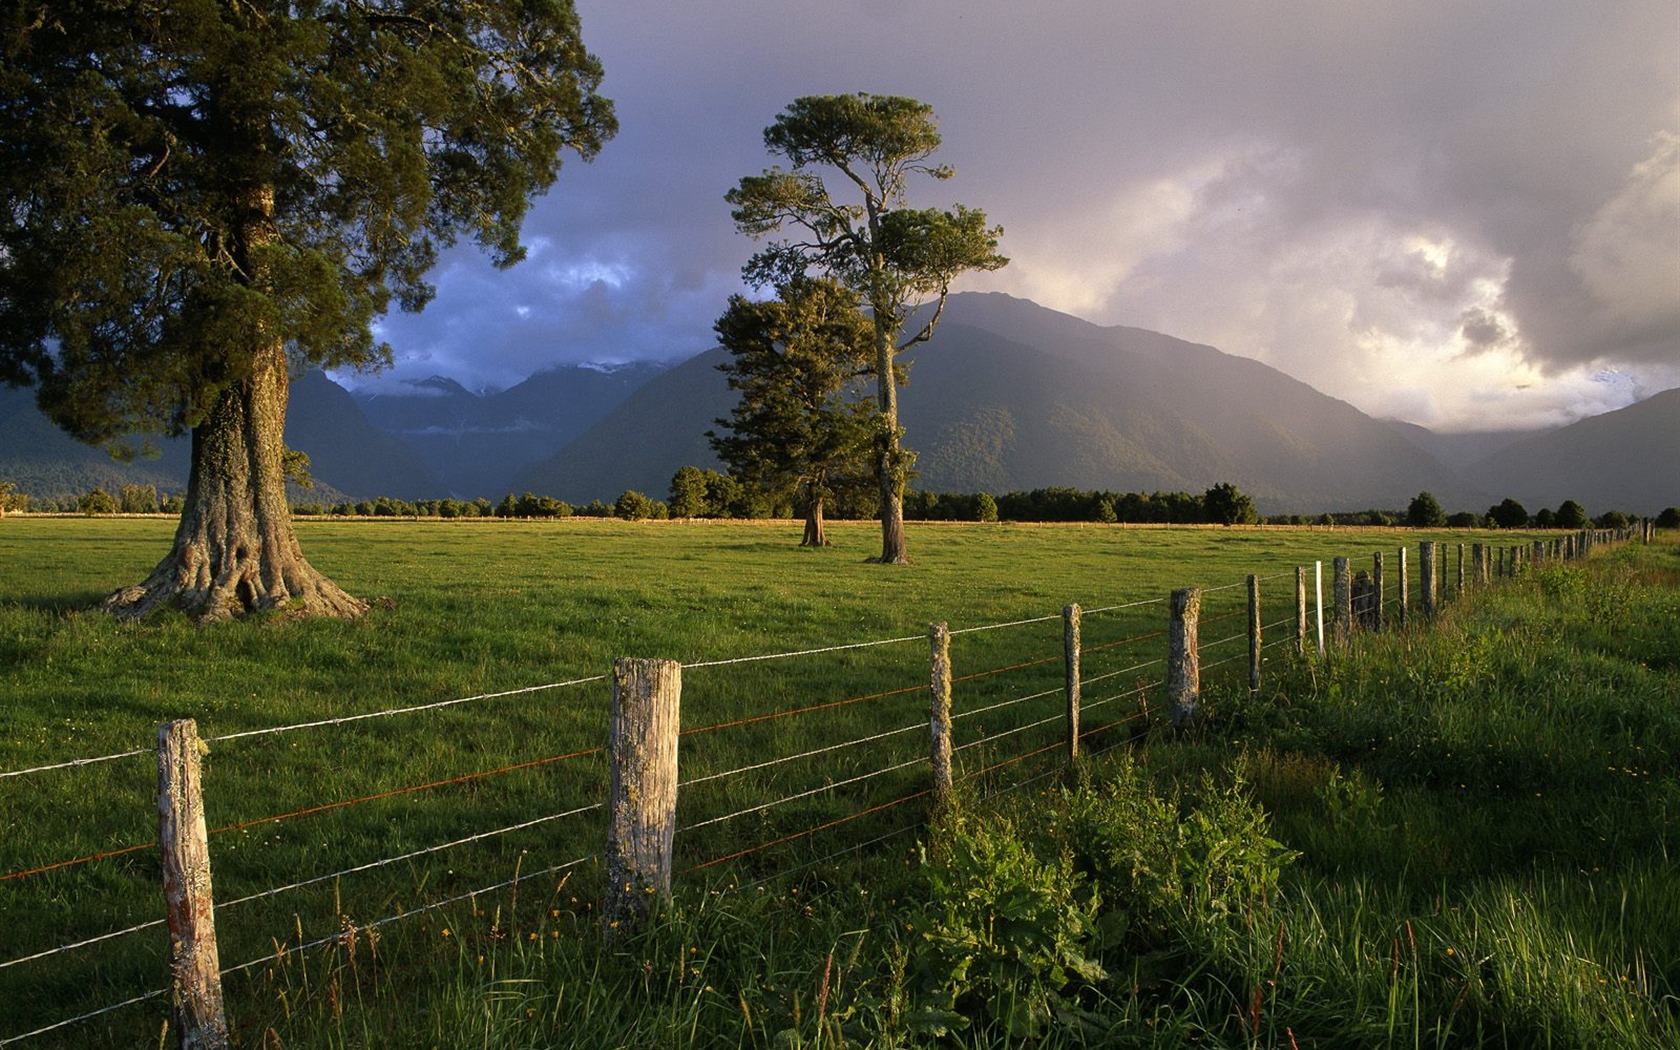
{"x":1008,"y":396}
{"x":479,"y":444}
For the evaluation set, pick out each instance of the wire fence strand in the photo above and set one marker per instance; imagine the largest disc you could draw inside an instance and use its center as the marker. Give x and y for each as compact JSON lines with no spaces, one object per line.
{"x":90,"y":1015}
{"x":389,"y":712}
{"x":77,"y":763}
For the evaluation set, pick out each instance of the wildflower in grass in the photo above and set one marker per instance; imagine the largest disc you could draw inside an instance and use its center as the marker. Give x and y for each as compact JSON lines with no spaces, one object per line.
{"x":444,"y":932}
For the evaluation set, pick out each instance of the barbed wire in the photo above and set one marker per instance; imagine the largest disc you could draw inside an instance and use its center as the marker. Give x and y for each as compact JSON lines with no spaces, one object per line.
{"x":772,"y":715}
{"x":1127,"y":605}
{"x":810,"y":831}
{"x":1012,"y":623}
{"x":1002,"y":670}
{"x":310,"y":811}
{"x":341,"y":935}
{"x":84,"y":1017}
{"x":802,"y":652}
{"x":1123,"y":641}
{"x":804,"y":754}
{"x":804,"y":794}
{"x":388,"y":712}
{"x":75,"y":763}
{"x":993,"y":738}
{"x":1006,"y":703}
{"x":1124,"y":670}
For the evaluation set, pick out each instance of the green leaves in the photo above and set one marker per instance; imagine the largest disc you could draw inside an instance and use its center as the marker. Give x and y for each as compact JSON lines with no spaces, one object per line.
{"x":185,"y":183}
{"x":859,"y":231}
{"x":801,"y":422}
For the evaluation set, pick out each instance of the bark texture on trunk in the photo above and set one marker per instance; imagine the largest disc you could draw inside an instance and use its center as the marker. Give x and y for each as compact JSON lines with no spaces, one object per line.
{"x":892,"y":525}
{"x":814,"y":534}
{"x":889,"y":462}
{"x":236,"y":551}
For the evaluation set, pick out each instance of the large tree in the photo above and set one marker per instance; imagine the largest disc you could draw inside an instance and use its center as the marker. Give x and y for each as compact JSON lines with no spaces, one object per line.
{"x":1425,"y":512}
{"x":204,"y":196}
{"x":863,"y":234}
{"x":801,"y":425}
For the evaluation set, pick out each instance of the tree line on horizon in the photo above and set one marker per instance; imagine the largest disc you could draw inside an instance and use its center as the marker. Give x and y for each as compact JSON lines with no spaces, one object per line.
{"x":699,"y":493}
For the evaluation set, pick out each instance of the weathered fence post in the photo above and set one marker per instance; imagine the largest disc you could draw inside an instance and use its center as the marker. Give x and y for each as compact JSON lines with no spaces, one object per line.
{"x":939,"y":715}
{"x":1070,"y":661}
{"x":1318,"y":602}
{"x":1442,"y":552}
{"x":1377,"y":575}
{"x":1342,"y":595}
{"x":642,"y":788}
{"x":1301,"y":610}
{"x":1459,"y":590}
{"x":195,"y":972}
{"x":1365,"y":601}
{"x":1403,"y":616}
{"x":1184,"y":669}
{"x":1426,"y":576}
{"x":1253,"y":632}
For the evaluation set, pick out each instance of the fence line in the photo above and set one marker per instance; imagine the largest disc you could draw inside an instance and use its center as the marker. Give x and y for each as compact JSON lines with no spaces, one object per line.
{"x":803,"y":754}
{"x":1489,"y":563}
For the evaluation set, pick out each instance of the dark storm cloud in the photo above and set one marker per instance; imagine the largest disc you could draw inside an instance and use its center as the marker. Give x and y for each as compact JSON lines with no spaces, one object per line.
{"x":1439,"y":209}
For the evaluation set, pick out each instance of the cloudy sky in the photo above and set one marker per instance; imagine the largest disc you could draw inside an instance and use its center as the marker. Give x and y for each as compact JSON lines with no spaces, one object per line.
{"x":1463,"y":214}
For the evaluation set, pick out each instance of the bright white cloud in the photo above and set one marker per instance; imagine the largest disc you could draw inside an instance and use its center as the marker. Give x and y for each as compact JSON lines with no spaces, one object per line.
{"x":1628,"y":254}
{"x":1455,"y":213}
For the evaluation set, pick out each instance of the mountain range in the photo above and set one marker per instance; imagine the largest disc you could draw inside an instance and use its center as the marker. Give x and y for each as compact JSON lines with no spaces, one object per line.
{"x":1008,"y":396}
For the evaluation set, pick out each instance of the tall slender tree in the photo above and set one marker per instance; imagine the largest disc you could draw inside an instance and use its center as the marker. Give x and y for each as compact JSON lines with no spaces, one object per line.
{"x":202,"y":197}
{"x":865,"y":236}
{"x":801,"y":425}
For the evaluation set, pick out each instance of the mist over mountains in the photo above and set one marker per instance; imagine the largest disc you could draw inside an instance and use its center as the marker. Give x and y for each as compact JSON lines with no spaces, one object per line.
{"x":1008,"y":396}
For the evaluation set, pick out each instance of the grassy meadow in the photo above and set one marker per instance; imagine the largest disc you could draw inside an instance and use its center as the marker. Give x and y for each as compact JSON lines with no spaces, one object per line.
{"x":1458,"y":836}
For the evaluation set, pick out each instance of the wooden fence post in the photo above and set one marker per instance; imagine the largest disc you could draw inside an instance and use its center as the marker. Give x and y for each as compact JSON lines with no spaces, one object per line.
{"x":1442,"y":552}
{"x":195,"y":972}
{"x":1253,"y":632}
{"x":1342,"y":594}
{"x":939,"y":715}
{"x":1301,"y":610}
{"x":1365,"y":601}
{"x":1070,"y":663}
{"x":1426,"y":576}
{"x":1459,"y":589}
{"x":1405,"y":585}
{"x":1377,"y":574}
{"x":1318,"y":602}
{"x":642,"y":788}
{"x":1184,"y":670}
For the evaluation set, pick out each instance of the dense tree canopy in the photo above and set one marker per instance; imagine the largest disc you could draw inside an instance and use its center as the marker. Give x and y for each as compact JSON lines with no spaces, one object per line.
{"x":801,"y":426}
{"x":1425,"y":512}
{"x":1225,"y":504}
{"x":863,"y":234}
{"x":1508,"y":514}
{"x":202,"y":197}
{"x":1571,"y":515}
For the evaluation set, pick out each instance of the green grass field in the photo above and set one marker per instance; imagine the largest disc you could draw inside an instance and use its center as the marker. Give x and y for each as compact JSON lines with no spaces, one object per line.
{"x":1477,"y":772}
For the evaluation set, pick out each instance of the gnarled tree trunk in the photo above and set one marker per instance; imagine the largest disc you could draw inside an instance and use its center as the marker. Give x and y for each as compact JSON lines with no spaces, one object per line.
{"x":235,"y":550}
{"x":814,"y":534}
